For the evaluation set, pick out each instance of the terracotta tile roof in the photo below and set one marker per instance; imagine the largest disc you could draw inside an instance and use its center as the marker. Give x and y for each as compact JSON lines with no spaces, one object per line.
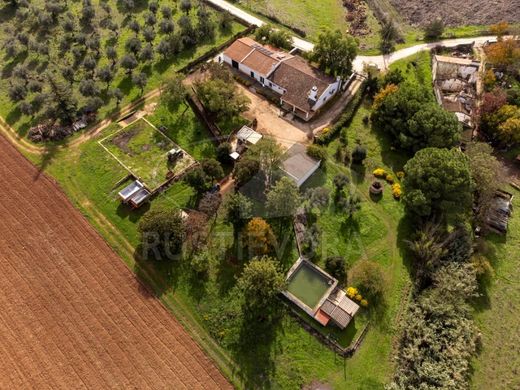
{"x":322,"y":317}
{"x":298,"y":78}
{"x":260,"y":63}
{"x":238,"y":50}
{"x":292,"y":73}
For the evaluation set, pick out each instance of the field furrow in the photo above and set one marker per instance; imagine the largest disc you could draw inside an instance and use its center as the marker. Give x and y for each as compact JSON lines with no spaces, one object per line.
{"x":72,"y":314}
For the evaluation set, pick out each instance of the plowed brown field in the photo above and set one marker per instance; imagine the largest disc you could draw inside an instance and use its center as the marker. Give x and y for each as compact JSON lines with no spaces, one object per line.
{"x":458,"y":12}
{"x":71,"y":314}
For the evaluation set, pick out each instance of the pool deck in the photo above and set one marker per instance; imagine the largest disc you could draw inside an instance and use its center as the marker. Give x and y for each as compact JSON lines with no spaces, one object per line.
{"x":303,"y":262}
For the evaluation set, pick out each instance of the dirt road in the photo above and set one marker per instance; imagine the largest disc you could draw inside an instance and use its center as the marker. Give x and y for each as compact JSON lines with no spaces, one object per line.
{"x":270,"y":123}
{"x":72,"y":315}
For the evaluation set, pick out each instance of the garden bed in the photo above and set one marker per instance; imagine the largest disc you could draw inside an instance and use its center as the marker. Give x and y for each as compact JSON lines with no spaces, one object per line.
{"x":143,"y":150}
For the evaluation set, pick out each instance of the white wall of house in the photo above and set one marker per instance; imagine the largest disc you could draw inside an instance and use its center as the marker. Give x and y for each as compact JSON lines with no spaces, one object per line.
{"x":261,"y":78}
{"x":258,"y":77}
{"x":276,"y":88}
{"x":331,"y":90}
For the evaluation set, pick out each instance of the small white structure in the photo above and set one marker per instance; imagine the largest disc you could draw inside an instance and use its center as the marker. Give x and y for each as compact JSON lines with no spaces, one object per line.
{"x":298,"y":165}
{"x":135,"y":194}
{"x":126,"y":193}
{"x":303,"y":89}
{"x":248,"y":135}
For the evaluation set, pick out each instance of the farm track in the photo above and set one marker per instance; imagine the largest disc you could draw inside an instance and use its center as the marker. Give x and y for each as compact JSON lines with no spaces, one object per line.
{"x":73,"y":316}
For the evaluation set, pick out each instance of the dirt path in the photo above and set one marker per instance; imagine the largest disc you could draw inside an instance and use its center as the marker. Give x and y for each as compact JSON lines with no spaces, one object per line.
{"x":26,"y":146}
{"x":73,"y":316}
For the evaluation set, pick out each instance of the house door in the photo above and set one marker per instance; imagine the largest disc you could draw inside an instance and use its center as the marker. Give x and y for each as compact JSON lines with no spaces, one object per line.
{"x":234,"y":64}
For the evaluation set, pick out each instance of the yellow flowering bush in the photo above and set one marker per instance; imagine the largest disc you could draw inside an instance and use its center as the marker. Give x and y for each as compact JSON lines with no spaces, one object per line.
{"x":352,"y":292}
{"x":364,"y":303}
{"x":379,"y":172}
{"x":390,"y":179}
{"x":396,"y":190}
{"x":400,"y":175}
{"x":358,"y":297}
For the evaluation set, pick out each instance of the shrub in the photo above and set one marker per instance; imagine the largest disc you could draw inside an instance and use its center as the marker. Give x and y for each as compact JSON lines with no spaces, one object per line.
{"x":389,"y":178}
{"x":351,"y":292}
{"x":396,"y":190}
{"x":434,"y":29}
{"x":317,"y":152}
{"x":369,"y":277}
{"x":200,"y":263}
{"x":364,"y":302}
{"x":359,"y":154}
{"x":335,"y":265}
{"x":400,"y":175}
{"x":379,"y":172}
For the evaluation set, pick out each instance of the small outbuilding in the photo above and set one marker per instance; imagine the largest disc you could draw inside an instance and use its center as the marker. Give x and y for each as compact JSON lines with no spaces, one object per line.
{"x":498,"y":214}
{"x":134,"y":194}
{"x":129,"y":191}
{"x":298,"y":165}
{"x":248,"y":135}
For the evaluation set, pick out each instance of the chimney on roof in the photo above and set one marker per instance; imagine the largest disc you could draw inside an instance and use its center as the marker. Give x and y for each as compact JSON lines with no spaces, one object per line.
{"x":313,"y":94}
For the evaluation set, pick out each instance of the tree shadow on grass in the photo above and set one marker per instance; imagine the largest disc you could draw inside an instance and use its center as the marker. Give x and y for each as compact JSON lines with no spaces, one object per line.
{"x":197,"y":285}
{"x":50,"y":150}
{"x":405,"y":230}
{"x":358,"y":173}
{"x":228,"y":268}
{"x":125,"y":211}
{"x":254,"y":351}
{"x":162,"y":276}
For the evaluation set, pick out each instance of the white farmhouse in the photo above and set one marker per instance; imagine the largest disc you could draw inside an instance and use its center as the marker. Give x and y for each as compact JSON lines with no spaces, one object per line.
{"x":303,"y":89}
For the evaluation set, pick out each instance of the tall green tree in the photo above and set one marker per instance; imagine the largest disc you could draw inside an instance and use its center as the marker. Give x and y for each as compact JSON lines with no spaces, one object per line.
{"x":173,"y":91}
{"x":437,"y":182}
{"x":260,"y":283}
{"x":237,"y":211}
{"x":268,"y":153}
{"x":409,"y":114}
{"x":283,"y":199}
{"x":221,"y":98}
{"x":486,"y":172}
{"x":162,"y":234}
{"x":334,"y":53}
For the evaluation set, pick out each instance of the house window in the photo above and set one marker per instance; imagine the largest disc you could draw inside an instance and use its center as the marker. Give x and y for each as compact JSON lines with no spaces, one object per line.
{"x":261,"y":79}
{"x":270,"y":84}
{"x":252,"y":74}
{"x":234,"y":64}
{"x":332,"y":91}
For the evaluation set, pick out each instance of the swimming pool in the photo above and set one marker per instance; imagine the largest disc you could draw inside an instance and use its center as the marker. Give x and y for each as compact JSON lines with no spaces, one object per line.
{"x":308,"y":284}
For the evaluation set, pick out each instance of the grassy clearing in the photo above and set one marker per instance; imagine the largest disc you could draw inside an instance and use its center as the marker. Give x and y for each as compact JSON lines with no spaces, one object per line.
{"x":497,"y":310}
{"x":307,"y":15}
{"x":183,"y":126}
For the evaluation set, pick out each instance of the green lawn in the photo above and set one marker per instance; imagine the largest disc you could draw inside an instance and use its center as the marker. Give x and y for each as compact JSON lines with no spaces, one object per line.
{"x":155,"y":71}
{"x":496,"y":314}
{"x":182,"y":126}
{"x":307,"y":15}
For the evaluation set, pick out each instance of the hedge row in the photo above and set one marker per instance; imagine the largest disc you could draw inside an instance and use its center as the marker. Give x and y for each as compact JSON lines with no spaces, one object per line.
{"x":329,"y":133}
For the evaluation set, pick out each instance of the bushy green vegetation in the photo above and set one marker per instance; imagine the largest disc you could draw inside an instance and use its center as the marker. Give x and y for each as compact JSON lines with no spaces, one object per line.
{"x":63,"y":61}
